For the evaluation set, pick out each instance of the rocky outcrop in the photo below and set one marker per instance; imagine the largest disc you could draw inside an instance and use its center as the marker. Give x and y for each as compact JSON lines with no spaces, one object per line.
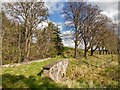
{"x":56,"y":70}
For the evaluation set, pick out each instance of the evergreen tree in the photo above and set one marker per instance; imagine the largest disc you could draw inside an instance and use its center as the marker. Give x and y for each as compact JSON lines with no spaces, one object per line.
{"x":54,"y":39}
{"x":58,"y":41}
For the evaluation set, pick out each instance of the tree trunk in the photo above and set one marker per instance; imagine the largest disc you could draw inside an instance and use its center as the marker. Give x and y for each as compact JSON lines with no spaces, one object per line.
{"x":27,"y":44}
{"x":19,"y":46}
{"x":28,"y":52}
{"x":85,"y":51}
{"x":91,"y":52}
{"x":75,"y":51}
{"x":106,"y":52}
{"x":100,"y":51}
{"x":26,"y":49}
{"x":76,"y":44}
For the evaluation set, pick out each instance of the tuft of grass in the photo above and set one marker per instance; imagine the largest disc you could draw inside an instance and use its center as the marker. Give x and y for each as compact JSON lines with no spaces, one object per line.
{"x":87,"y":75}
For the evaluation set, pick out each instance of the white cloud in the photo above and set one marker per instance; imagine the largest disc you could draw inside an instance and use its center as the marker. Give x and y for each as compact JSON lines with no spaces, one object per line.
{"x":112,"y":14}
{"x":109,"y":7}
{"x":68,"y":43}
{"x":53,"y":0}
{"x":60,"y":27}
{"x":63,"y":16}
{"x":67,"y":39}
{"x":43,"y":25}
{"x":68,"y":22}
{"x":54,"y":5}
{"x":102,"y":0}
{"x":17,"y":0}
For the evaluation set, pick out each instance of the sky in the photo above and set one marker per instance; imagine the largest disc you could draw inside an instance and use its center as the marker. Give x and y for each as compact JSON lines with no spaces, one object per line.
{"x":109,"y":7}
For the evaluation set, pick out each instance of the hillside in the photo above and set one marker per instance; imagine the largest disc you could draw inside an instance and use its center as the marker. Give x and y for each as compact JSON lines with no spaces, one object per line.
{"x":95,"y":71}
{"x":59,"y":45}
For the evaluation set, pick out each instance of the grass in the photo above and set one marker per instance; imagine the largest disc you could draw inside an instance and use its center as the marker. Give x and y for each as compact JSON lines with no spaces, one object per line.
{"x":26,"y":70}
{"x":25,"y":76}
{"x":89,"y":76}
{"x":79,"y":74}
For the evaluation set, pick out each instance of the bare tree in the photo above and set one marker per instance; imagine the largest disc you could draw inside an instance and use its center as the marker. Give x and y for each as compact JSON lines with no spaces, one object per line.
{"x":90,"y":23}
{"x":9,"y":40}
{"x":73,"y":13}
{"x":30,"y":14}
{"x":98,"y":32}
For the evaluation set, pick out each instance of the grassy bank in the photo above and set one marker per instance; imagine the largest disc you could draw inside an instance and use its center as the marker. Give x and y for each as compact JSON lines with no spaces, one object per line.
{"x":81,"y":73}
{"x":26,"y":76}
{"x":93,"y":72}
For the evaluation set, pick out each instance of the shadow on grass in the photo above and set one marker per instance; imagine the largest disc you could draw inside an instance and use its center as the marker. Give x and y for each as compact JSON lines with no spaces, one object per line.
{"x":33,"y":82}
